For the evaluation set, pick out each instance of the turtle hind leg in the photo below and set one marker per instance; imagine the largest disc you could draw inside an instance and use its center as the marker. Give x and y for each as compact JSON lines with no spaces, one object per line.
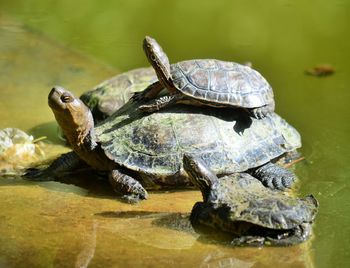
{"x":159,"y":103}
{"x":299,"y":234}
{"x":274,"y":176}
{"x":131,"y":190}
{"x":63,"y":164}
{"x":253,"y":241}
{"x":261,"y":112}
{"x":149,"y":93}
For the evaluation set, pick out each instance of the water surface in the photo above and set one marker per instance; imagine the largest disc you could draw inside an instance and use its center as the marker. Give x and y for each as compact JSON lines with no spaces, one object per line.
{"x":53,"y":224}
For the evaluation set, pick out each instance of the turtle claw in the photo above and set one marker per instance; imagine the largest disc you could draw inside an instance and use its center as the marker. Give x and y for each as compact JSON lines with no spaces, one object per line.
{"x":279,"y":182}
{"x":35,"y":174}
{"x":259,"y":113}
{"x":159,"y":103}
{"x":134,"y":198}
{"x":275,"y":177}
{"x":147,"y":108}
{"x":253,"y":241}
{"x":137,"y":96}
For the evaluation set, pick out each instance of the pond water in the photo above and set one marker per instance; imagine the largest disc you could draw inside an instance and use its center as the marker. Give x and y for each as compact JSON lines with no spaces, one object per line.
{"x":77,"y":44}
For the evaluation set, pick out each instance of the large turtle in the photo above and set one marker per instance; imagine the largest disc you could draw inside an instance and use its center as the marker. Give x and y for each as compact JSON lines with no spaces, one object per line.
{"x":209,"y":82}
{"x":134,"y":147}
{"x":241,"y":205}
{"x":107,"y":97}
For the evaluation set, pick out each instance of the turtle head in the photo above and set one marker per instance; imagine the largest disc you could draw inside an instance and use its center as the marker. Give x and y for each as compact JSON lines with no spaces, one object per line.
{"x":199,"y":174}
{"x":158,"y":59}
{"x":73,"y":116}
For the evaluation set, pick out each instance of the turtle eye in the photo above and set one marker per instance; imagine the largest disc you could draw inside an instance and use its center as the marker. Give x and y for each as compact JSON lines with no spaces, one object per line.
{"x":66,"y":98}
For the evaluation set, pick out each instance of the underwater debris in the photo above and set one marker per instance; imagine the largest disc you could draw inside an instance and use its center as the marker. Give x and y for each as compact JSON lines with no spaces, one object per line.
{"x":320,"y":70}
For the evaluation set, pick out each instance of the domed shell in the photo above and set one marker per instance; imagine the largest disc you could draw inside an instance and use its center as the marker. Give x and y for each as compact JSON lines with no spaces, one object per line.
{"x":110,"y":95}
{"x":252,"y":202}
{"x":154,"y":144}
{"x":222,"y":82}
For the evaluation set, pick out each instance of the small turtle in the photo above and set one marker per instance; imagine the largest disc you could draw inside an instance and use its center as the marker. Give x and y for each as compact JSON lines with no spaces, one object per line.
{"x":241,"y":205}
{"x":205,"y":82}
{"x":110,"y":95}
{"x":134,"y":147}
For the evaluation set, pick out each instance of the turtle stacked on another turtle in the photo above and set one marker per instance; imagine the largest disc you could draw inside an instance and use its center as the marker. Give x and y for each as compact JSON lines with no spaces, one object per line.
{"x":134,"y":147}
{"x":253,"y":214}
{"x":205,"y":82}
{"x":140,"y":150}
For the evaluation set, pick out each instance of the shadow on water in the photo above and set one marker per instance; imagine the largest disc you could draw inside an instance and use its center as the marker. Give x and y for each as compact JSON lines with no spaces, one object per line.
{"x":173,"y":221}
{"x":86,"y":182}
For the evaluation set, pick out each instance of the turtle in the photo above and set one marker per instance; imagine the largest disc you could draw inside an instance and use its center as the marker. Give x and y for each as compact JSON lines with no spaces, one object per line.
{"x":107,"y":97}
{"x":241,"y":205}
{"x":138,"y":149}
{"x":205,"y":82}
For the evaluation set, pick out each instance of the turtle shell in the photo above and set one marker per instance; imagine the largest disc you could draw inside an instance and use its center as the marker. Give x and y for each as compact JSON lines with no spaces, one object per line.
{"x":154,"y":144}
{"x":110,"y":95}
{"x":222,"y":82}
{"x":249,"y":201}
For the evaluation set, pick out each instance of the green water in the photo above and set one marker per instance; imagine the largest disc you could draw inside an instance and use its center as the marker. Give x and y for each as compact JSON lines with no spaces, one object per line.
{"x":280,"y":38}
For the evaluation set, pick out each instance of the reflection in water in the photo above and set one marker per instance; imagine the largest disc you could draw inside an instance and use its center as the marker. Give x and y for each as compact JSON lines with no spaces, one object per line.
{"x":129,"y":214}
{"x":46,"y":224}
{"x":80,"y":223}
{"x":89,"y":246}
{"x":218,"y":259}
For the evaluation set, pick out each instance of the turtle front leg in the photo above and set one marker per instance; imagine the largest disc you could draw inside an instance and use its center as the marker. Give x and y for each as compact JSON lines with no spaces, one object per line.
{"x":299,"y":234}
{"x":159,"y":103}
{"x":274,"y":176}
{"x":261,"y":112}
{"x":149,"y":93}
{"x":290,"y":237}
{"x":131,"y":190}
{"x":65,"y":163}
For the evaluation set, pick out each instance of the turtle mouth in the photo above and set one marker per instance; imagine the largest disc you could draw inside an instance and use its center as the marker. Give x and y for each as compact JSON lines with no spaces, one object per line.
{"x":59,"y":98}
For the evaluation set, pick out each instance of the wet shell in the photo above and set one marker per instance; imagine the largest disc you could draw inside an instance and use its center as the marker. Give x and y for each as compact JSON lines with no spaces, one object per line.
{"x":154,"y":144}
{"x":249,"y":201}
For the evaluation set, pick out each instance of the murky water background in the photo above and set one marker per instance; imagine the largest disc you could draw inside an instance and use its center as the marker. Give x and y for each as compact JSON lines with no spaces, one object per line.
{"x":55,"y":224}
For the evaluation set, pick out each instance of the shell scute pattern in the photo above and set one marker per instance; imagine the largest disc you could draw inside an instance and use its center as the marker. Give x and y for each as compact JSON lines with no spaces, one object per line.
{"x":222,"y":82}
{"x":200,"y":79}
{"x":107,"y":97}
{"x":207,"y":64}
{"x":186,"y":67}
{"x":225,"y":65}
{"x":153,"y":137}
{"x":162,"y":138}
{"x":218,"y":81}
{"x":250,"y":201}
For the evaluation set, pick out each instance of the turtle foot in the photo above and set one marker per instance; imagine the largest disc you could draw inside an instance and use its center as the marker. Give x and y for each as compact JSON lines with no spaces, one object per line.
{"x":147,"y":108}
{"x":35,"y":174}
{"x":137,"y":96}
{"x":131,"y":190}
{"x":134,"y":198}
{"x":274,"y":176}
{"x":159,"y":103}
{"x":253,"y":241}
{"x":279,"y":181}
{"x":259,"y":113}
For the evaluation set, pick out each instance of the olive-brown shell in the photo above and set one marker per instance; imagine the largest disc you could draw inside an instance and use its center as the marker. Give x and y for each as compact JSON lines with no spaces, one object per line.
{"x":222,"y":82}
